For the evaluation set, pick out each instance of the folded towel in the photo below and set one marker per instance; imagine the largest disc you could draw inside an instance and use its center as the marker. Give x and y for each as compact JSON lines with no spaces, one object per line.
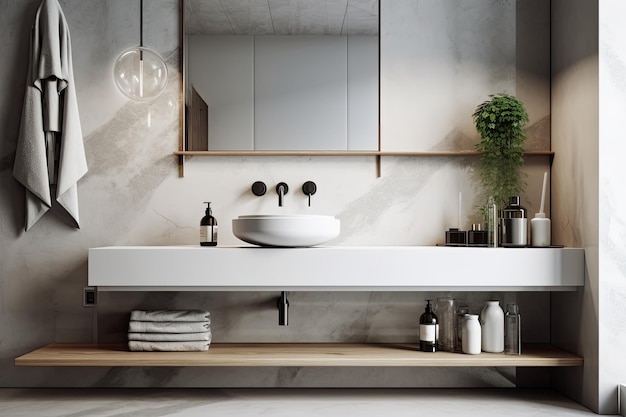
{"x":136,"y":346}
{"x":170,"y":337}
{"x":50,"y":120}
{"x":170,"y":315}
{"x":168,"y":326}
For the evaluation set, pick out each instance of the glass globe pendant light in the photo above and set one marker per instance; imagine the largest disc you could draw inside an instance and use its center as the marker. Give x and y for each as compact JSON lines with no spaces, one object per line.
{"x":139,"y":72}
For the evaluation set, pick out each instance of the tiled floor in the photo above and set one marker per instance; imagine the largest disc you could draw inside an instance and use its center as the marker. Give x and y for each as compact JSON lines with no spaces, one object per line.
{"x":285,"y":402}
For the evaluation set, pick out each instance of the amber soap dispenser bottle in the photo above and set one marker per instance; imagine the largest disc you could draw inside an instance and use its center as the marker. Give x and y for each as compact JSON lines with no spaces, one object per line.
{"x":208,"y":228}
{"x":429,"y":329}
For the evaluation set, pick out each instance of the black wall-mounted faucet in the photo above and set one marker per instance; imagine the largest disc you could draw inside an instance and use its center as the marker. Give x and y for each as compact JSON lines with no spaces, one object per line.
{"x":282,"y":189}
{"x":259,"y":189}
{"x":309,"y":188}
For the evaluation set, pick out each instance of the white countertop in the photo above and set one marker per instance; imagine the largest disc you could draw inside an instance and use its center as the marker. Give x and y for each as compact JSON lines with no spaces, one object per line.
{"x":335,"y":268}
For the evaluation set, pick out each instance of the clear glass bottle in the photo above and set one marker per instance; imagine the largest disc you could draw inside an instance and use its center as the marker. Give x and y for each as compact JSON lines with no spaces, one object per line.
{"x":491,"y":222}
{"x":512,"y":330}
{"x":445,"y":310}
{"x":461,"y":311}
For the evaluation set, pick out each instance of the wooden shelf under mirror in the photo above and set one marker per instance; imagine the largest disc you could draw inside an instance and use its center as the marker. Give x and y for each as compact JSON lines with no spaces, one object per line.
{"x":378,"y":154}
{"x":293,"y":354}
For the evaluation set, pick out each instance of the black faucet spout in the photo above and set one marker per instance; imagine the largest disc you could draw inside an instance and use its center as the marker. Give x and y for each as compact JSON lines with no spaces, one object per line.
{"x":281,"y":190}
{"x":283,"y":309}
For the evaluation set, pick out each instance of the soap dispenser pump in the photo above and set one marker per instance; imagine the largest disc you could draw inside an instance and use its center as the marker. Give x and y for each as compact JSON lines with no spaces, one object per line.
{"x":208,"y":228}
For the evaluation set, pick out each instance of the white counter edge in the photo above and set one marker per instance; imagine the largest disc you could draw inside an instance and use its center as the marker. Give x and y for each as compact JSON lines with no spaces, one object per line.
{"x":339,"y":268}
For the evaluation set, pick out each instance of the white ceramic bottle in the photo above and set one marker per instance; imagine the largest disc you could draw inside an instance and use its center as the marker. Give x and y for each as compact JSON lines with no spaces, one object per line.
{"x":540,"y":231}
{"x":471,"y":336}
{"x":492,"y":327}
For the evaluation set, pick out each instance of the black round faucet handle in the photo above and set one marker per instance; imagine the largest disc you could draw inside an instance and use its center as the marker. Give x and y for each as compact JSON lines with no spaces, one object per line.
{"x":259,"y":188}
{"x":309,"y":188}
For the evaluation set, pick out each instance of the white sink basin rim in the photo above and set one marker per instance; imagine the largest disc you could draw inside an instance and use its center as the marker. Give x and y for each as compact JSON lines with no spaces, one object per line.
{"x":286,"y":230}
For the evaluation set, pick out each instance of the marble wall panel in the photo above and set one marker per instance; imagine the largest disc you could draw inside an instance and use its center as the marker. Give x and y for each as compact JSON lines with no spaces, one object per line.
{"x":612,"y":200}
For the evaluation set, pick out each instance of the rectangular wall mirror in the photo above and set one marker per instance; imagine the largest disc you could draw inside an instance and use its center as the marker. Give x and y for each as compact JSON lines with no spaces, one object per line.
{"x":281,"y":75}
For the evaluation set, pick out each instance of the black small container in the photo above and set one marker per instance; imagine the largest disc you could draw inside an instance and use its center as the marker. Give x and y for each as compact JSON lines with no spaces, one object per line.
{"x":477,"y":237}
{"x":456,"y":237}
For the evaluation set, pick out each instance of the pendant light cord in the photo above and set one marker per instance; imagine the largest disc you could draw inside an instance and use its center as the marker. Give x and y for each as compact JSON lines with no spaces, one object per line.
{"x":139,"y":72}
{"x":141,"y":23}
{"x":141,"y":30}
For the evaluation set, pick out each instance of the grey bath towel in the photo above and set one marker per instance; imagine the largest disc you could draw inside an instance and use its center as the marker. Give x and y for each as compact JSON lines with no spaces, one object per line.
{"x":136,"y":346}
{"x":170,"y":315}
{"x":170,"y":337}
{"x":168,"y":326}
{"x":50,"y":126}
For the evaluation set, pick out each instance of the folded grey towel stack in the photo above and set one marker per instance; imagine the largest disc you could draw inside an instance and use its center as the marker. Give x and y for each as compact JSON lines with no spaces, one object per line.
{"x":169,"y":330}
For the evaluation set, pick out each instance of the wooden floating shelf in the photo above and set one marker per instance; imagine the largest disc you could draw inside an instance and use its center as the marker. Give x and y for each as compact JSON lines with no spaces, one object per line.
{"x":292,"y":354}
{"x":378,"y":154}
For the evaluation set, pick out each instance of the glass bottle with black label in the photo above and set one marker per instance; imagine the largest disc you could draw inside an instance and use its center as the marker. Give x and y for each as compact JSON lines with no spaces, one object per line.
{"x":208,"y":228}
{"x":429,"y":329}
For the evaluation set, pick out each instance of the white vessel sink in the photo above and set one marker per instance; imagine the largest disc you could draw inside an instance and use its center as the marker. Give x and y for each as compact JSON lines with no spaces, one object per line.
{"x":291,"y":230}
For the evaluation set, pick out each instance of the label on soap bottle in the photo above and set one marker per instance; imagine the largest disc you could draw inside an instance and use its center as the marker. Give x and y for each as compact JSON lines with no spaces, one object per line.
{"x":428,"y":332}
{"x":208,"y":235}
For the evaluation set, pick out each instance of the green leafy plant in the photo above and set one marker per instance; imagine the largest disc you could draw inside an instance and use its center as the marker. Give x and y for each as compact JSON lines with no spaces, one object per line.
{"x":500,"y":122}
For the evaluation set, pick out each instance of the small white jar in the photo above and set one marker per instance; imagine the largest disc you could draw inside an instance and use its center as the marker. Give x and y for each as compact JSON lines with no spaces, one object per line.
{"x":540,"y":231}
{"x":471,"y":335}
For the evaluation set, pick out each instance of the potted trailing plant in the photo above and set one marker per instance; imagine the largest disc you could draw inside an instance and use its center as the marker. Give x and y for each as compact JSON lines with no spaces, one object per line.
{"x":500,"y":122}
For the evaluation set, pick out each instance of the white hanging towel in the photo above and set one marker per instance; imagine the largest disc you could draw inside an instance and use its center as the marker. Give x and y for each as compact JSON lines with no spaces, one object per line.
{"x":50,"y":121}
